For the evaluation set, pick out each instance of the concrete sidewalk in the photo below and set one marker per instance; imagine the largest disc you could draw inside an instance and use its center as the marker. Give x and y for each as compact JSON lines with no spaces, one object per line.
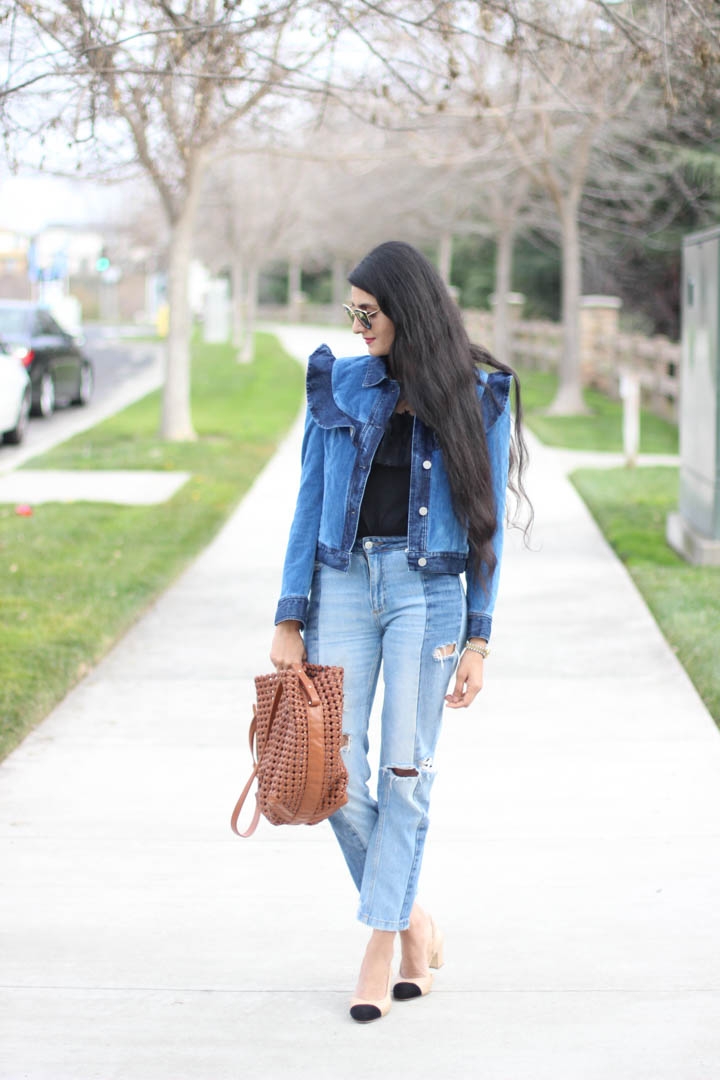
{"x":573,"y":860}
{"x":126,"y":487}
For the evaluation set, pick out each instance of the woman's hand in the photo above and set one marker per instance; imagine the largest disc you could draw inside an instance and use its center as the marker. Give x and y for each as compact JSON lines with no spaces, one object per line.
{"x":468,"y":681}
{"x":287,"y":647}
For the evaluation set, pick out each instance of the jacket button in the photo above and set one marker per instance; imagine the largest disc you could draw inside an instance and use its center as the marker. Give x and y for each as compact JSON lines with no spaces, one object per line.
{"x":368,"y":545}
{"x":422,"y":511}
{"x":427,"y":464}
{"x":422,"y":561}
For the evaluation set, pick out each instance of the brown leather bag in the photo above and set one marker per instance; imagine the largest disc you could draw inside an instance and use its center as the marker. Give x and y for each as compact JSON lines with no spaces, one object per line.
{"x":295,"y":738}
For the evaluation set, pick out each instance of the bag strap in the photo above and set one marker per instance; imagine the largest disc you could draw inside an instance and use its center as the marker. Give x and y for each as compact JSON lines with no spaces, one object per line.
{"x":316,"y":747}
{"x":246,"y":790}
{"x":252,"y":735}
{"x":316,"y":755}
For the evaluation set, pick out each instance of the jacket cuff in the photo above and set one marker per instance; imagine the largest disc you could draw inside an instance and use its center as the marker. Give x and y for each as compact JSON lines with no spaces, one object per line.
{"x":479,"y":625}
{"x":292,"y":607}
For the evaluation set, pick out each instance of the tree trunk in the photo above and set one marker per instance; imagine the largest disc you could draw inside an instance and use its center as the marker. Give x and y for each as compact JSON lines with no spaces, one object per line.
{"x":238,"y":299}
{"x":340,"y":287}
{"x":294,"y":297}
{"x":247,"y":353}
{"x":445,"y":257}
{"x":176,"y":424}
{"x":569,"y":400}
{"x":503,"y":282}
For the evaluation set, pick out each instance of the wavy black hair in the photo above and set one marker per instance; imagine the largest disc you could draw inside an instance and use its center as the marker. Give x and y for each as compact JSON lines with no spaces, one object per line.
{"x":435,"y":363}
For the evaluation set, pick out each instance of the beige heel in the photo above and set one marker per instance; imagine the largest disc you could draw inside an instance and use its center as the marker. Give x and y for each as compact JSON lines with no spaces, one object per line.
{"x":436,"y":953}
{"x":407,"y":989}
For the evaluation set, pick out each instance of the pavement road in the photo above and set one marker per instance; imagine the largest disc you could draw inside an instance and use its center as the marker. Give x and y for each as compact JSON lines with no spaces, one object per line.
{"x":116,"y":357}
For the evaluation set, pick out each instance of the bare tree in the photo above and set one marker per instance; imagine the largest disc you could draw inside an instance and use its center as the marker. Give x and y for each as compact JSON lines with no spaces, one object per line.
{"x":160,"y":84}
{"x":548,"y":95}
{"x":258,"y":206}
{"x":514,"y":94}
{"x":554,"y":80}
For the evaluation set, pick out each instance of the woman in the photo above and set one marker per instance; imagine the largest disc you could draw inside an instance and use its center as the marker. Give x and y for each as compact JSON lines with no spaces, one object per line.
{"x":406,"y":460}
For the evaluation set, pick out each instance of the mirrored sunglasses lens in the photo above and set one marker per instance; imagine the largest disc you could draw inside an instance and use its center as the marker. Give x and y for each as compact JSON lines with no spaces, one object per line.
{"x":356,"y":313}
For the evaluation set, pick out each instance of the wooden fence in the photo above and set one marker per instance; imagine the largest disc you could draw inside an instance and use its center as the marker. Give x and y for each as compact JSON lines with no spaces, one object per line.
{"x":656,"y":361}
{"x":605,"y":353}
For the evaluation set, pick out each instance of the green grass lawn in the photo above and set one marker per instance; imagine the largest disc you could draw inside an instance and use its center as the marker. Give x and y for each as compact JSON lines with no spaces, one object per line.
{"x":631,"y":506}
{"x":74,"y":577}
{"x":601,"y":430}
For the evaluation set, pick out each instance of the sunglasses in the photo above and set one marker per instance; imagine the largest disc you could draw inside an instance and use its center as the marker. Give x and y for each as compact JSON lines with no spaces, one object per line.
{"x":363,"y":317}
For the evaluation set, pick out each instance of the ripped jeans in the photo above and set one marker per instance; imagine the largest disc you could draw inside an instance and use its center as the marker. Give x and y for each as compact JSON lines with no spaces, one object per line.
{"x":413,"y":622}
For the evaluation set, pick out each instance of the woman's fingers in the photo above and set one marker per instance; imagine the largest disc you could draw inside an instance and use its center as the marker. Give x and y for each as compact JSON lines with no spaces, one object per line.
{"x":468,"y":681}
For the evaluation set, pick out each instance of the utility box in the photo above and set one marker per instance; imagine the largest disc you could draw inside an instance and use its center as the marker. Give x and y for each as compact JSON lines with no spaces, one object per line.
{"x":216,"y":323}
{"x":695,"y":531}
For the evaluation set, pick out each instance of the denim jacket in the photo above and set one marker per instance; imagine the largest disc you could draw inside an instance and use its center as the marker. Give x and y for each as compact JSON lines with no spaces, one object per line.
{"x":350,"y":401}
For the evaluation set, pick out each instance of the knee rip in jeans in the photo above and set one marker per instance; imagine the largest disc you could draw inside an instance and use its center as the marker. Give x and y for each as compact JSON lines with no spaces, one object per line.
{"x":423,"y":766}
{"x":444,"y":652}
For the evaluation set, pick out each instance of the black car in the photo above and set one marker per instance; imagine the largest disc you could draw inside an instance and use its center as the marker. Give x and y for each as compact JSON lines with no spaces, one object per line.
{"x":59,"y":371}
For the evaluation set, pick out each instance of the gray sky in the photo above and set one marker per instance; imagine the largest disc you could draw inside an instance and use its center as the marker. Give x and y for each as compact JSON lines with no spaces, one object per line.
{"x":27,"y":203}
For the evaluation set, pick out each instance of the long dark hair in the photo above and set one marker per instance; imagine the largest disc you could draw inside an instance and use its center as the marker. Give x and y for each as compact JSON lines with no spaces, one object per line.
{"x":435,"y":363}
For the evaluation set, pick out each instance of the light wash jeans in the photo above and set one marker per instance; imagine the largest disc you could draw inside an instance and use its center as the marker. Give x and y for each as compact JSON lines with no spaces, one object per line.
{"x":380,"y":611}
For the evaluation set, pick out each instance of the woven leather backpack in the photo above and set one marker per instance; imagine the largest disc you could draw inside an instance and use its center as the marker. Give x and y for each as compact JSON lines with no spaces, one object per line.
{"x":295,"y":738}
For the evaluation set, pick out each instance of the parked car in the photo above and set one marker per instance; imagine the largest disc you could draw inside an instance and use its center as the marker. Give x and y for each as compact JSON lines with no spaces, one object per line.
{"x":15,"y":397}
{"x":60,"y":372}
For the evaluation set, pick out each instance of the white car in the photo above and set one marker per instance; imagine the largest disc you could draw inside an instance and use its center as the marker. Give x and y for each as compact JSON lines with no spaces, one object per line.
{"x":15,"y":397}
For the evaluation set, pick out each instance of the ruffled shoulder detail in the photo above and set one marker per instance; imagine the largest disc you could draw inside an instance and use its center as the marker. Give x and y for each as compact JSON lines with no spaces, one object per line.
{"x":494,"y":392}
{"x":319,"y":383}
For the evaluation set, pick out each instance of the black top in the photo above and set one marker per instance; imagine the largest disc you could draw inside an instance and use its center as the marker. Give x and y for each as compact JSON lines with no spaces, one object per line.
{"x":384,"y":509}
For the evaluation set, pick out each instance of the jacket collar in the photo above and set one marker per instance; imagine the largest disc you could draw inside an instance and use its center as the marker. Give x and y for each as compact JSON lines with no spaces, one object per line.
{"x":376,"y":371}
